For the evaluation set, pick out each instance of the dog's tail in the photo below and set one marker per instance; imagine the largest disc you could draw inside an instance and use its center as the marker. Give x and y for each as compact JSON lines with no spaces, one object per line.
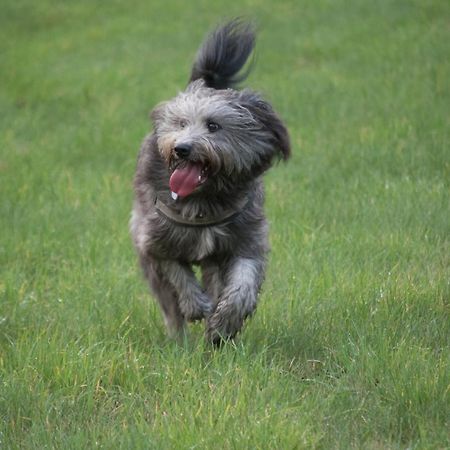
{"x":223,"y":54}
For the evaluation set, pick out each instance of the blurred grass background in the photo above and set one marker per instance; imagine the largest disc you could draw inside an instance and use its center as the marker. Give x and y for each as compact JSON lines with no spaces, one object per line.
{"x":350,"y":345}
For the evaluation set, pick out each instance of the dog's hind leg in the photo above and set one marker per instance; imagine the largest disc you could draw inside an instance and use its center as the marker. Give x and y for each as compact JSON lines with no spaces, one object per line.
{"x":166,"y":296}
{"x":212,"y":280}
{"x":243,"y":278}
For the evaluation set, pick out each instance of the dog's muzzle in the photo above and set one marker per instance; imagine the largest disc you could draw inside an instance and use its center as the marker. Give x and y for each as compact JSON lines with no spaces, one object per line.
{"x":183,"y":150}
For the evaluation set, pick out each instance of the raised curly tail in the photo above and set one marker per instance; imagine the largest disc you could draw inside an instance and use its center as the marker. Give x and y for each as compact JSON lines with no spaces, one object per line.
{"x":223,"y":54}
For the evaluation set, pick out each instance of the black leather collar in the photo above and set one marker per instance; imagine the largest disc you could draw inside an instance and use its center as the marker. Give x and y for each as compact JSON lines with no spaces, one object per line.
{"x":202,"y":221}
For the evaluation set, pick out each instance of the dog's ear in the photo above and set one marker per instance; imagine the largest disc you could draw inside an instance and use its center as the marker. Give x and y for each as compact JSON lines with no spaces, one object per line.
{"x":157,"y":114}
{"x":263,"y":113}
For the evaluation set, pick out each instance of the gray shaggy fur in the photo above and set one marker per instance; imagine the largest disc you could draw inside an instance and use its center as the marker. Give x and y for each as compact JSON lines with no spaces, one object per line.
{"x":234,"y":136}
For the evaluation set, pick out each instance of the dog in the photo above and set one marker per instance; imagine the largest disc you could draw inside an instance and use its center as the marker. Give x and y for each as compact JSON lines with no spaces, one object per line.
{"x":199,"y":191}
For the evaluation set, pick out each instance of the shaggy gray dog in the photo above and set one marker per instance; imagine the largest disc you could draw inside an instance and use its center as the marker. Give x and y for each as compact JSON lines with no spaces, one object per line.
{"x":199,"y":191}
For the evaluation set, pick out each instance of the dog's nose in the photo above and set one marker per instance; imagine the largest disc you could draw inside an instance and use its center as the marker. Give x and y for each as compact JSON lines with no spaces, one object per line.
{"x":183,"y":150}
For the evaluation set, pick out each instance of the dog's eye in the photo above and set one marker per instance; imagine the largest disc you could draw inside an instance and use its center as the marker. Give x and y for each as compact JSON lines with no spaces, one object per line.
{"x":183,"y":123}
{"x":212,"y":126}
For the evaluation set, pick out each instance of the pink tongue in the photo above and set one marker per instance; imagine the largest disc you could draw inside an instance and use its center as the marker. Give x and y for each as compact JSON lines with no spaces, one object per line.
{"x":183,"y":181}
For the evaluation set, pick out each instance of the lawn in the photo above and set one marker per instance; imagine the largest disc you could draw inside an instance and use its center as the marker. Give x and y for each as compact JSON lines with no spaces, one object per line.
{"x":349,"y":348}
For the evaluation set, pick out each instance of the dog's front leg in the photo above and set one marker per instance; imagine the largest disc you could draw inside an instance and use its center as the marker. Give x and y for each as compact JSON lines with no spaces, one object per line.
{"x":243,"y":279}
{"x":194,"y":303}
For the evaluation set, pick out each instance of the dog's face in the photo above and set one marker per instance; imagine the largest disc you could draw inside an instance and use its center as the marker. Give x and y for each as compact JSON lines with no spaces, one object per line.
{"x":212,"y":138}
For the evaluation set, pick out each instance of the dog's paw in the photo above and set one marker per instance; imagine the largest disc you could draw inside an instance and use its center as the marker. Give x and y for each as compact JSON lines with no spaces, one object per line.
{"x":222,"y":325}
{"x":197,"y":308}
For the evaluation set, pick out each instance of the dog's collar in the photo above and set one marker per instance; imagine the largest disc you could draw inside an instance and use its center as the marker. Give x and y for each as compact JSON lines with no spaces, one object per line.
{"x":202,"y":221}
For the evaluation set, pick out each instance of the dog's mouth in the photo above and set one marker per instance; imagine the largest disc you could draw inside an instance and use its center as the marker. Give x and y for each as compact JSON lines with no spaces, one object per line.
{"x":186,"y":177}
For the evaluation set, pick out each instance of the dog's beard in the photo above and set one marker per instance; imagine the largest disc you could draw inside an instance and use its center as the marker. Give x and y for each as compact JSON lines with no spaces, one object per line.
{"x":188,"y":175}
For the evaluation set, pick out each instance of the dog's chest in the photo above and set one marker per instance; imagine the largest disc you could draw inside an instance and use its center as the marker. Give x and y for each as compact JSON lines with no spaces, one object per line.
{"x":192,"y":244}
{"x":206,"y":244}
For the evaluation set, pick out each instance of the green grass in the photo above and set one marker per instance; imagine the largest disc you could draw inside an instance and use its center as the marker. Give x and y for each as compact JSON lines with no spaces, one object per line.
{"x":350,"y":345}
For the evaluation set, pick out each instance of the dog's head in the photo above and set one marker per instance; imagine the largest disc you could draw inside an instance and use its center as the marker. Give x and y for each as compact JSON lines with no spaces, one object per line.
{"x":212,"y":138}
